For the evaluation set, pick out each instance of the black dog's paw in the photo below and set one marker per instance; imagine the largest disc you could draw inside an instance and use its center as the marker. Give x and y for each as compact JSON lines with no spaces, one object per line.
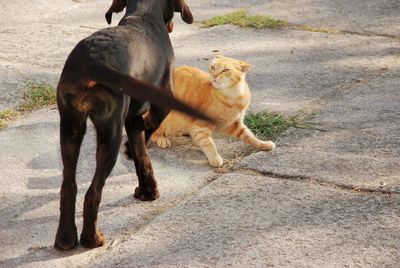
{"x":66,"y":241}
{"x":128,"y":152}
{"x":95,"y":241}
{"x":146,"y":195}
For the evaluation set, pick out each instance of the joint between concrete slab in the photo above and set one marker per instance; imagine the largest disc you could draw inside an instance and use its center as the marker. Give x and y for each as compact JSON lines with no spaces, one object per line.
{"x":127,"y":233}
{"x":370,"y":34}
{"x":347,"y":188}
{"x":322,"y":30}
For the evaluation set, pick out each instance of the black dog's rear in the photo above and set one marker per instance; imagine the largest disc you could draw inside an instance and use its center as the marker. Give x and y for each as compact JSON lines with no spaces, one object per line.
{"x":103,"y":79}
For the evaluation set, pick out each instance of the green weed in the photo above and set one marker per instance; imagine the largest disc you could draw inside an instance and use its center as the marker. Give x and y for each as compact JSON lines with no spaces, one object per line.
{"x":271,"y":125}
{"x":7,"y":116}
{"x":37,"y":95}
{"x":242,"y":19}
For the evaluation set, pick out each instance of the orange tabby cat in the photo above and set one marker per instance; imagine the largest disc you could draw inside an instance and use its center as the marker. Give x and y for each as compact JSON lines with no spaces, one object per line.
{"x":224,"y":94}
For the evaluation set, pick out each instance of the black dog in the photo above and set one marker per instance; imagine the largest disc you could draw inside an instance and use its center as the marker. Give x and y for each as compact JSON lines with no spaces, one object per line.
{"x":103,"y":79}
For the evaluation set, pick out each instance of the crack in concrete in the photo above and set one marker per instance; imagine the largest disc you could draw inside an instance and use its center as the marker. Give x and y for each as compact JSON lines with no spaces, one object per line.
{"x":348,"y":86}
{"x":126,"y":233}
{"x":348,"y":188}
{"x":312,"y":29}
{"x":369,"y":34}
{"x":229,"y":167}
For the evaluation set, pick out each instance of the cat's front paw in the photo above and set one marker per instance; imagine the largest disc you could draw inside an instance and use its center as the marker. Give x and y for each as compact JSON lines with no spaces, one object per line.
{"x":163,"y":142}
{"x":267,"y":146}
{"x":217,"y":161}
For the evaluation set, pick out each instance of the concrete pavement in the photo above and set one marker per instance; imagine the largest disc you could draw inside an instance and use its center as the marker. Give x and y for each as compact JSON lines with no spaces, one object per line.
{"x":323,"y":199}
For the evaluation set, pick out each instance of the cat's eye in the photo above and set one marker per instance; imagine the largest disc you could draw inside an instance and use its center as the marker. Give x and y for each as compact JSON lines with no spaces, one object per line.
{"x":225,"y":70}
{"x":212,"y":68}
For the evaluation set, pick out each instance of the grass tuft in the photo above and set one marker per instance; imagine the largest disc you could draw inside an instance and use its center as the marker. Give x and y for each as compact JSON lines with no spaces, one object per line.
{"x":242,"y":19}
{"x":7,"y":116}
{"x":271,"y":125}
{"x":37,"y":95}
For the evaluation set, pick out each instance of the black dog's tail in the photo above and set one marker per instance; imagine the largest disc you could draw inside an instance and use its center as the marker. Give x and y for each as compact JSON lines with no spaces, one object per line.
{"x":140,"y":90}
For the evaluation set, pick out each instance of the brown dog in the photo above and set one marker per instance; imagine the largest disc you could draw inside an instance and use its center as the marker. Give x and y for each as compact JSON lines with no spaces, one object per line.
{"x":103,"y":79}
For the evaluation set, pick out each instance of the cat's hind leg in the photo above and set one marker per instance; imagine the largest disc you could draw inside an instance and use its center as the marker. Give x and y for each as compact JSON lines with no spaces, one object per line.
{"x":240,"y":131}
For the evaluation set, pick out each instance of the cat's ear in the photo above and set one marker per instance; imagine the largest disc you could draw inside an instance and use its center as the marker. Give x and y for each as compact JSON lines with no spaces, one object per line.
{"x":244,"y":66}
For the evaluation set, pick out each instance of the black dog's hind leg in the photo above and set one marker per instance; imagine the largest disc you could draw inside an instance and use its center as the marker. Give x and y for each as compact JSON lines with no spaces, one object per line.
{"x":147,"y":189}
{"x":72,"y":130}
{"x":109,"y":133}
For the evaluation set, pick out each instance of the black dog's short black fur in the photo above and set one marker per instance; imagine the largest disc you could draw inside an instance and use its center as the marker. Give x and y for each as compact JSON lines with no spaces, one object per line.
{"x":103,"y":79}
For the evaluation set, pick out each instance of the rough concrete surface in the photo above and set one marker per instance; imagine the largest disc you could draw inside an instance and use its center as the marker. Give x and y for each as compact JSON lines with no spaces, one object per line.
{"x":360,"y":144}
{"x":37,"y":36}
{"x":359,"y":16}
{"x":245,"y":221}
{"x":290,"y":68}
{"x":328,"y":197}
